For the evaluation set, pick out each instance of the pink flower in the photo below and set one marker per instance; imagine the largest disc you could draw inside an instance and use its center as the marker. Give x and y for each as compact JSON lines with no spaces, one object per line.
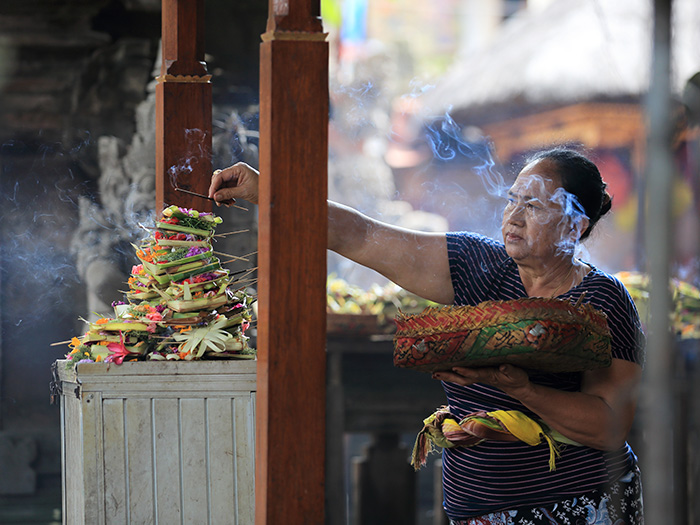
{"x":119,"y":351}
{"x":154,"y":316}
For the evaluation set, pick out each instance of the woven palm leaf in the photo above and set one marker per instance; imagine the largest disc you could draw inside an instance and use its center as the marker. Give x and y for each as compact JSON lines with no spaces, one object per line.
{"x":550,"y":335}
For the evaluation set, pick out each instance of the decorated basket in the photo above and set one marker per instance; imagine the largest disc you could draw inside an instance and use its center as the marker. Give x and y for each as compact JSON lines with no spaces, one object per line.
{"x":550,"y":335}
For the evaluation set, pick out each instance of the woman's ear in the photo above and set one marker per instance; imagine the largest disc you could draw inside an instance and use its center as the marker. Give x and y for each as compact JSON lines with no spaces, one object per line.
{"x":579,"y":226}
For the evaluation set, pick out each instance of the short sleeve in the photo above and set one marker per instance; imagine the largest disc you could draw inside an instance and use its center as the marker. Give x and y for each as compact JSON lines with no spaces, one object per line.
{"x":481,"y":269}
{"x":608,"y":294}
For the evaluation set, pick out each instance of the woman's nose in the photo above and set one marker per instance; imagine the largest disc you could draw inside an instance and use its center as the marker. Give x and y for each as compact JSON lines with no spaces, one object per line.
{"x":514,"y":213}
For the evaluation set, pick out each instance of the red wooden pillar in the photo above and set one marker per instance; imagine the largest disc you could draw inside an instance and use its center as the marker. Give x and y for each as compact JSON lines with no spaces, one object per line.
{"x":291,"y":402}
{"x":183,"y":108}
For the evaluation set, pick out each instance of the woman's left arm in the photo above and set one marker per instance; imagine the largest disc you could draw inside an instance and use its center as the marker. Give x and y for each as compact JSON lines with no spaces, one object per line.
{"x":599,"y":416}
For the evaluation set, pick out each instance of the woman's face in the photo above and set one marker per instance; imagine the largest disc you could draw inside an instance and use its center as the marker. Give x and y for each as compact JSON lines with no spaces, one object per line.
{"x":535,"y":226}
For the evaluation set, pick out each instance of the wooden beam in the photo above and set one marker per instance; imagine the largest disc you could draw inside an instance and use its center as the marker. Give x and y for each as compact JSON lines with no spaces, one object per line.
{"x":183,"y":108}
{"x":290,"y":441}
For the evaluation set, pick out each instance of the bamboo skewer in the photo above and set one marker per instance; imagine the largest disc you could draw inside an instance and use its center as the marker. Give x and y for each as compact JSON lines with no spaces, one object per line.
{"x":230,"y":233}
{"x":236,"y":258}
{"x":226,"y":234}
{"x":233,"y":257}
{"x":244,"y":281}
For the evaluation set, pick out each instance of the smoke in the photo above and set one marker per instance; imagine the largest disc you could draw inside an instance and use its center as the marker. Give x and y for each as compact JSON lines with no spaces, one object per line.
{"x":38,"y":192}
{"x":447,"y":141}
{"x":180,"y":172}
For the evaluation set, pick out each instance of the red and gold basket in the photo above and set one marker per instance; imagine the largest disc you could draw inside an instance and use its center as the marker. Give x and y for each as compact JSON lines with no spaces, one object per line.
{"x":550,"y":335}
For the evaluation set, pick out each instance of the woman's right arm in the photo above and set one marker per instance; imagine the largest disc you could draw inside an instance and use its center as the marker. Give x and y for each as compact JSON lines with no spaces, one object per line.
{"x":416,"y":261}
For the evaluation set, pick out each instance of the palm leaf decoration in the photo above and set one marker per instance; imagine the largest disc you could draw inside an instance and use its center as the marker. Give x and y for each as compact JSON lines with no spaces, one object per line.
{"x":198,"y":340}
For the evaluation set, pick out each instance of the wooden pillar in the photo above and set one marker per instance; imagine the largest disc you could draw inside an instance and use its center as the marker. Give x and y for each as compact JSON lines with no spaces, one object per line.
{"x":290,"y":442}
{"x":183,"y":108}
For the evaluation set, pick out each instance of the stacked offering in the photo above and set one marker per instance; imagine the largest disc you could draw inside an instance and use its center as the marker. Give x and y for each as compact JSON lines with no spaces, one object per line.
{"x":181,"y":303}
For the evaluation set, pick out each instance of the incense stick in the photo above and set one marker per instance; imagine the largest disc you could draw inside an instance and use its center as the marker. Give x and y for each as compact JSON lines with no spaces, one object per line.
{"x":202,"y":196}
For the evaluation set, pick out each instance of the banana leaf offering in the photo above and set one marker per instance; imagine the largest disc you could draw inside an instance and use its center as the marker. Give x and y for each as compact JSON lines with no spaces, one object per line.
{"x":181,"y":303}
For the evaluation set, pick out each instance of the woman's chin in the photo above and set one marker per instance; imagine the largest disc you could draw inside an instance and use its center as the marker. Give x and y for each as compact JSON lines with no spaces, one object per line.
{"x":515,"y":251}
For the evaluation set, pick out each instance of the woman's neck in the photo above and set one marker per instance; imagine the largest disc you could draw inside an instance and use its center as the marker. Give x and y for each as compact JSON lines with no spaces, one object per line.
{"x":554,"y":278}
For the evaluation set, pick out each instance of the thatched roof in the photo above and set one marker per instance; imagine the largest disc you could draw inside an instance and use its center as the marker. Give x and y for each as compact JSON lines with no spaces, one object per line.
{"x":571,"y":51}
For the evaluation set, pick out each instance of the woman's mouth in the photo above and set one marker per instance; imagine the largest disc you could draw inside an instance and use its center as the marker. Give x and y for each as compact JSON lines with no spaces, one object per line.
{"x":511,"y":237}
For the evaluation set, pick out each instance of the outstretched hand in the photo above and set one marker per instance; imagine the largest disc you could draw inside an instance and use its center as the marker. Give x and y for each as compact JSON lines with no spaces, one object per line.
{"x":508,"y":378}
{"x":239,"y":181}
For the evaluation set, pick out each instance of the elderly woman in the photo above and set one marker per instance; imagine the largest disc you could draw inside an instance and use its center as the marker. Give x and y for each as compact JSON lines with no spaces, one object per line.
{"x":555,"y":202}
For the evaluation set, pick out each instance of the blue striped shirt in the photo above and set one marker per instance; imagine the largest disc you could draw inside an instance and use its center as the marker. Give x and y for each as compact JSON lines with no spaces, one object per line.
{"x":498,"y":475}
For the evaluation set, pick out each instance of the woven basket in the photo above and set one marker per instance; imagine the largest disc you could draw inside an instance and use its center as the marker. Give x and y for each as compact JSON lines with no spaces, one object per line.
{"x":550,"y":335}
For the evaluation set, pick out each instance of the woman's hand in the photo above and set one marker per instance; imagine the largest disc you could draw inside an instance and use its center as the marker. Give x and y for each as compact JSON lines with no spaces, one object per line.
{"x":599,"y":416}
{"x":508,"y":378}
{"x":239,"y":181}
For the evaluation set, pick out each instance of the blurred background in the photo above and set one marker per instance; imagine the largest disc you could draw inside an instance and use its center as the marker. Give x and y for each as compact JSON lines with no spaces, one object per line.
{"x":434,"y":106}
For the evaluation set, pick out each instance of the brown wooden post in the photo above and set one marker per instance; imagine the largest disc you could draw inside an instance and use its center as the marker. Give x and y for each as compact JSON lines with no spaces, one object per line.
{"x":290,"y":443}
{"x":183,"y":108}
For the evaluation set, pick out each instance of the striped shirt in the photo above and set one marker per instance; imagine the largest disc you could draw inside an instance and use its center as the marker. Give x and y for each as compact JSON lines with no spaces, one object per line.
{"x":498,"y":475}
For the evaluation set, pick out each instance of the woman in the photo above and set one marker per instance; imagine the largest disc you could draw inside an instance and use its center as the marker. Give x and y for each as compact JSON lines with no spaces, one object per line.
{"x":554,"y":203}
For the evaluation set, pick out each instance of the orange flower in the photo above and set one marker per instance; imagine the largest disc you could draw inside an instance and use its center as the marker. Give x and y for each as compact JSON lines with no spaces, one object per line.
{"x":103,"y":320}
{"x":145,"y":255}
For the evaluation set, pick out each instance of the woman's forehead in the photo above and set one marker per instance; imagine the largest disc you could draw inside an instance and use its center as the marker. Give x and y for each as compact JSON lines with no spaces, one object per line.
{"x":534,"y":184}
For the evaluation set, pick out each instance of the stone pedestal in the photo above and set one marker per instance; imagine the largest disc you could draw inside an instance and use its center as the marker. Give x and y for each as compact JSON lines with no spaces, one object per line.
{"x":158,"y":442}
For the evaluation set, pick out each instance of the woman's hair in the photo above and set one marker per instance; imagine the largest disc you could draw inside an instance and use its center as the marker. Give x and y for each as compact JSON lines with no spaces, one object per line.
{"x":580,"y":177}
